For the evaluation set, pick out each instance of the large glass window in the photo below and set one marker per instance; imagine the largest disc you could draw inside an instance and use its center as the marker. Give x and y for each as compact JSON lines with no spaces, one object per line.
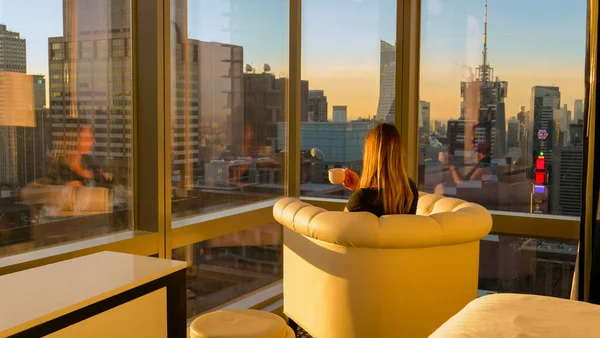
{"x":526,"y":265}
{"x":229,"y":80}
{"x":59,"y":179}
{"x":224,"y":268}
{"x":502,"y":89}
{"x":349,"y":74}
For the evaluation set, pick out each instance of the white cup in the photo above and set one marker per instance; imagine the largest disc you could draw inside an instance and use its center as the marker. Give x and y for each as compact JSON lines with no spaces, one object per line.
{"x":337,"y":176}
{"x":443,"y":157}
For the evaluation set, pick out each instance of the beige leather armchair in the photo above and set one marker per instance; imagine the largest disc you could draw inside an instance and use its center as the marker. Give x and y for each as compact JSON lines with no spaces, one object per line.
{"x":66,"y":201}
{"x":355,"y":275}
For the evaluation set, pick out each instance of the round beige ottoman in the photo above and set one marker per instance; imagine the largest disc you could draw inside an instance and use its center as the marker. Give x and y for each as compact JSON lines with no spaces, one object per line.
{"x":240,"y":324}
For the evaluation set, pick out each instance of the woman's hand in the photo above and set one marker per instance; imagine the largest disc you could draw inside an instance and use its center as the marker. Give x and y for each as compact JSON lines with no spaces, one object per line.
{"x":107,"y":176}
{"x":351,"y":181}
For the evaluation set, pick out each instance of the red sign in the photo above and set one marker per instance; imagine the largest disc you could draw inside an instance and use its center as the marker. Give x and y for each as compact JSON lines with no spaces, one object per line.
{"x":539,"y":177}
{"x":540,"y":163}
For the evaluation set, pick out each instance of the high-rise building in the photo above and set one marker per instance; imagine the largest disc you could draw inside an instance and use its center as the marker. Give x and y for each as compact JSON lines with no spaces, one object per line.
{"x":524,"y":135}
{"x":90,"y":79}
{"x":566,"y":181}
{"x":90,"y":83}
{"x":578,"y":111}
{"x":264,"y":106}
{"x":16,"y":105}
{"x":221,"y":98}
{"x":439,"y":127}
{"x":512,"y":137}
{"x":457,"y":143}
{"x":13,"y":51}
{"x":483,"y":102}
{"x":562,"y":123}
{"x":317,"y":106}
{"x":387,"y":81}
{"x":544,"y":101}
{"x":545,"y":138}
{"x":340,"y":114}
{"x":34,"y":143}
{"x":576,"y":131}
{"x":424,"y":117}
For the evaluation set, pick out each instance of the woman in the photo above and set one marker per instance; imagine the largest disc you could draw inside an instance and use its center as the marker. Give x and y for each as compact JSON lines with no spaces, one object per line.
{"x":483,"y":167}
{"x":72,"y":164}
{"x":72,"y":168}
{"x":384,"y":188}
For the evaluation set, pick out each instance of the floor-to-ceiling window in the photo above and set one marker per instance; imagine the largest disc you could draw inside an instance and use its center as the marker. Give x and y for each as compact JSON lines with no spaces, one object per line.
{"x":66,"y":121}
{"x":348,"y":55}
{"x":228,"y":109}
{"x":503,"y":87}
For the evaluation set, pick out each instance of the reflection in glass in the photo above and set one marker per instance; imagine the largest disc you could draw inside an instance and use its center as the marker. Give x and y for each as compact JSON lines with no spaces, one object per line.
{"x":526,"y":265}
{"x":224,"y":268}
{"x":514,"y":150}
{"x":65,"y":148}
{"x":351,"y":81}
{"x":229,"y":76}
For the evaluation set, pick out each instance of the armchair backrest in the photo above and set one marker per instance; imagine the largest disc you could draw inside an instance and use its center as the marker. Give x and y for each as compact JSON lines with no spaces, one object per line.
{"x":439,"y":221}
{"x":351,"y":275}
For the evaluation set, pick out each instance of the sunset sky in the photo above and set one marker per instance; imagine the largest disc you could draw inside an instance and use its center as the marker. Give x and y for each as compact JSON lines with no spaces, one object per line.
{"x":532,"y":42}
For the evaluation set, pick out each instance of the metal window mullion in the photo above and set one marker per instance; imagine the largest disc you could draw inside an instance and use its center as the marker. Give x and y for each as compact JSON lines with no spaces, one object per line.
{"x":408,"y":40}
{"x":292,"y":168}
{"x":152,"y":155}
{"x":218,"y":227}
{"x":588,"y":219}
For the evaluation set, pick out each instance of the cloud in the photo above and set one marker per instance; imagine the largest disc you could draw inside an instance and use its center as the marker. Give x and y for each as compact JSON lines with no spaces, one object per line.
{"x":434,"y":7}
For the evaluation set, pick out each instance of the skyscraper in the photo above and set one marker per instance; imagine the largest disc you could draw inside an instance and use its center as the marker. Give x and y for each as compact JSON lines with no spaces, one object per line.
{"x":340,"y":114}
{"x":424,"y":117}
{"x":34,"y":143}
{"x":317,"y":106}
{"x":90,"y":83}
{"x":562,"y":122}
{"x":221,"y":97}
{"x":512,"y":137}
{"x":566,"y":182}
{"x":264,"y":107}
{"x":16,"y":104}
{"x":387,"y":80}
{"x":43,"y":128}
{"x":90,"y":79}
{"x":524,"y":135}
{"x":13,"y":51}
{"x":578,"y":111}
{"x":544,"y":101}
{"x":483,"y":102}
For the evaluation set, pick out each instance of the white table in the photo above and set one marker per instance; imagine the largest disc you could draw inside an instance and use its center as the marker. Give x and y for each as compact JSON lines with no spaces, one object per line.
{"x":102,"y":294}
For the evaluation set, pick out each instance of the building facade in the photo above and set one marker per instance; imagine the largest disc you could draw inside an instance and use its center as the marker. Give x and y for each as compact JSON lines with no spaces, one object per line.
{"x":317,"y":106}
{"x":544,"y":101}
{"x":512,"y":136}
{"x":424,"y":117}
{"x":18,"y":108}
{"x":340,"y":114}
{"x":387,"y":80}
